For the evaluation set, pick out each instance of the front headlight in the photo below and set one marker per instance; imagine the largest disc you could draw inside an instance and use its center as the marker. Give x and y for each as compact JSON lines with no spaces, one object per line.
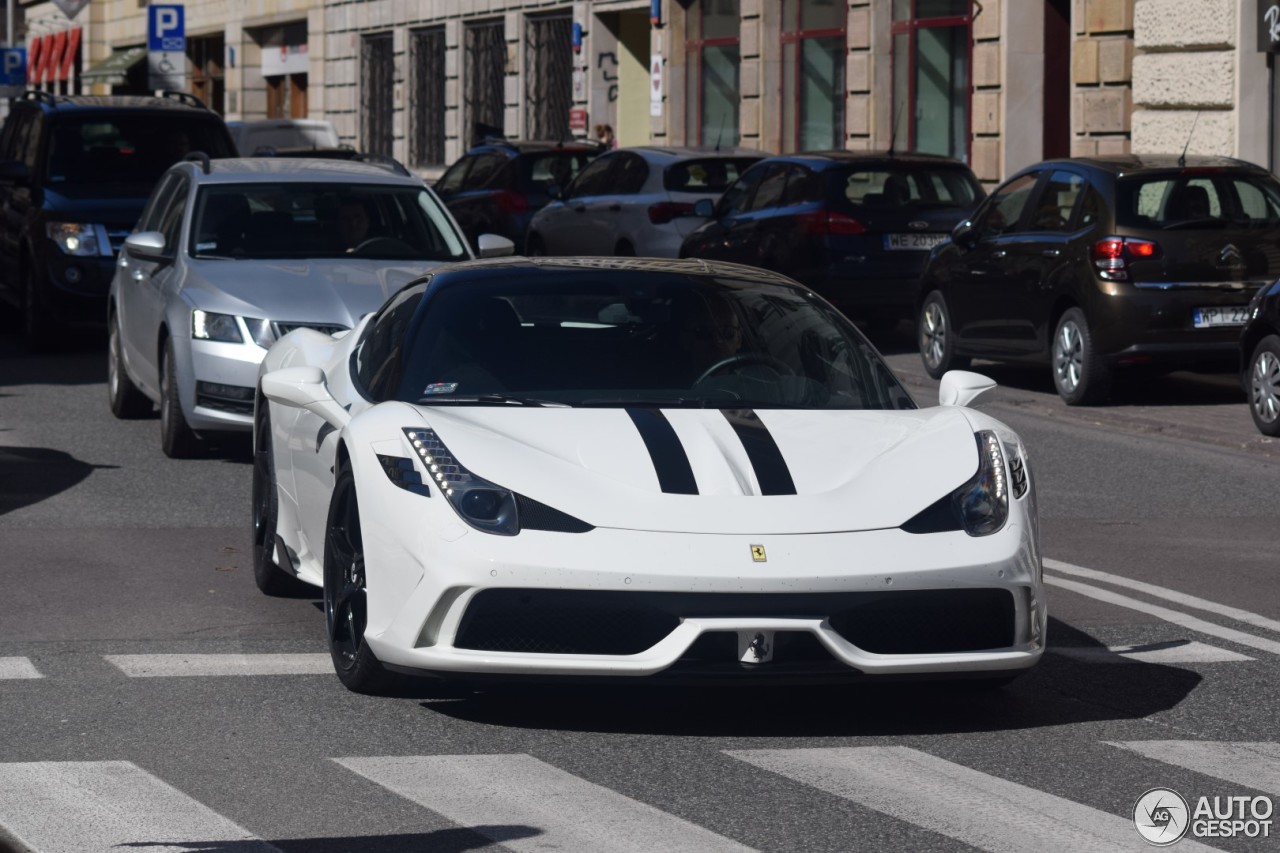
{"x":208,"y":326}
{"x":481,"y":504}
{"x":79,"y":239}
{"x":981,"y":506}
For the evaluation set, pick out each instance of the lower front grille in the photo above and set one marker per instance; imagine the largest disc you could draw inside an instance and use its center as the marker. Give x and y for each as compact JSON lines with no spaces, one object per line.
{"x":236,"y":399}
{"x":625,"y":623}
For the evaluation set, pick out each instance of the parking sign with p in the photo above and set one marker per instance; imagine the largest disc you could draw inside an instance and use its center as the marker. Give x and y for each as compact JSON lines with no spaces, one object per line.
{"x":166,"y":29}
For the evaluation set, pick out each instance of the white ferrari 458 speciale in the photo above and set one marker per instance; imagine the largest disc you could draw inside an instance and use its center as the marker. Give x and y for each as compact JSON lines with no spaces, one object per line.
{"x":620,"y":467}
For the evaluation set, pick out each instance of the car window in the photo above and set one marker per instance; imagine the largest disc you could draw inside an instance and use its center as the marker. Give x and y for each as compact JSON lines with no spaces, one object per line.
{"x":593,"y":180}
{"x":708,"y":175}
{"x":171,"y":219}
{"x":910,"y":185}
{"x":157,"y":204}
{"x":452,"y":179}
{"x":378,"y":358}
{"x":629,"y":176}
{"x":1057,"y":202}
{"x":129,"y":149}
{"x":1005,"y":206}
{"x":483,"y":170}
{"x":27,"y":144}
{"x":735,"y":198}
{"x":804,"y":186}
{"x":1198,"y":199}
{"x":13,"y":128}
{"x":1092,"y":208}
{"x":556,"y":168}
{"x":769,"y":193}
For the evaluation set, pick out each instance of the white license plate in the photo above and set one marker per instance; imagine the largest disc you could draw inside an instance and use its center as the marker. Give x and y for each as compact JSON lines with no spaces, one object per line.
{"x":1226,"y":315}
{"x":913,"y":242}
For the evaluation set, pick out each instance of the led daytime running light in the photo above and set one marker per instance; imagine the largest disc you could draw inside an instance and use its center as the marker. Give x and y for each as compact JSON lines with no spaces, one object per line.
{"x":491,"y":508}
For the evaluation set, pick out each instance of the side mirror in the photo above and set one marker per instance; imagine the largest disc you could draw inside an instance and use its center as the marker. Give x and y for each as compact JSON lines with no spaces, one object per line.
{"x":704,"y":207}
{"x":304,"y":388}
{"x":494,"y":246}
{"x":961,"y":387}
{"x":14,"y":172}
{"x":145,"y":244}
{"x":964,"y":234}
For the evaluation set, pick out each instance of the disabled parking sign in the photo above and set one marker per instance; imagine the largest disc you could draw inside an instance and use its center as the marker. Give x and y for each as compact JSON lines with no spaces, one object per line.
{"x":166,"y":47}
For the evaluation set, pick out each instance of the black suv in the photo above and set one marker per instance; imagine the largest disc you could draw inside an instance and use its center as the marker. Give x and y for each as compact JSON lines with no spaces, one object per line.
{"x":497,"y":187}
{"x":75,"y":173}
{"x":1096,"y":264}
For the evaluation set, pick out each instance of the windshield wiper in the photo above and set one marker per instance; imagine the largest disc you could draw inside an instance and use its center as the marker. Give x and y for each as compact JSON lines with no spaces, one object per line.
{"x":505,"y":399}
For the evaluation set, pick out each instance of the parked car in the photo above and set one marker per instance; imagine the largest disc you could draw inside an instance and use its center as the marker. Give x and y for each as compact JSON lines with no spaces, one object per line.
{"x":74,"y":175}
{"x":1100,"y":264}
{"x":855,"y":227}
{"x":635,"y":201}
{"x":628,"y":468}
{"x":1260,"y":355}
{"x":282,"y":133}
{"x":231,"y":254}
{"x":497,"y":187}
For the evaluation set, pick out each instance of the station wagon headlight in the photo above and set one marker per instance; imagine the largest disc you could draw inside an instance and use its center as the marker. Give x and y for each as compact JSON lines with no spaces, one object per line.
{"x":208,"y":326}
{"x":981,"y":506}
{"x":79,"y":239}
{"x":483,"y":505}
{"x":261,"y":332}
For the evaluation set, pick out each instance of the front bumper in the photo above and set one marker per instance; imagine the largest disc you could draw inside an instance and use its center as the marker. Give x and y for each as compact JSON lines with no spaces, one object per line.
{"x":659,"y":603}
{"x":217,"y":388}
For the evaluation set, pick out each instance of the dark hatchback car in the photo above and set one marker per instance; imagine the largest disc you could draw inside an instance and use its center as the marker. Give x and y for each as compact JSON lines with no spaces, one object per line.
{"x":1091,"y":265}
{"x":855,"y":227}
{"x":497,"y":187}
{"x":1260,"y":355}
{"x":75,"y":173}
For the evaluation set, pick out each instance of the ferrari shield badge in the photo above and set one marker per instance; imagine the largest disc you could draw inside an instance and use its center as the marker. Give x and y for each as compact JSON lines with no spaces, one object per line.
{"x":758,"y":555}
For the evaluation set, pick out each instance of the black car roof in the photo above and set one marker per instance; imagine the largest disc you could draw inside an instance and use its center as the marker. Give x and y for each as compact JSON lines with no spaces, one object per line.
{"x":823,"y":159}
{"x":527,"y":146}
{"x":61,"y":103}
{"x":1128,"y":164}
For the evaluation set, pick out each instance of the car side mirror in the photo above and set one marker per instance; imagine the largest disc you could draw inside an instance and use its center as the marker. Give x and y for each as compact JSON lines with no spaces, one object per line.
{"x":14,"y":172}
{"x":304,"y":388}
{"x":704,"y":207}
{"x":145,"y":244}
{"x":494,"y":246}
{"x":964,"y":234}
{"x":961,"y":387}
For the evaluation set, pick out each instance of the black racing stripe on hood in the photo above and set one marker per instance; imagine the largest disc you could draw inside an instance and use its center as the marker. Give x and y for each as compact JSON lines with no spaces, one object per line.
{"x":675,"y":474}
{"x":771,"y":469}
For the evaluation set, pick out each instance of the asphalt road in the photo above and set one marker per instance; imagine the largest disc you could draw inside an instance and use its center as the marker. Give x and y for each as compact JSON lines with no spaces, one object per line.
{"x":151,"y":698}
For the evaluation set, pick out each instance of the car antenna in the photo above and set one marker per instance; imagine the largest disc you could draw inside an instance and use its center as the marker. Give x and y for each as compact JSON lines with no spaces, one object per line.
{"x":1182,"y":159}
{"x":893,"y":131}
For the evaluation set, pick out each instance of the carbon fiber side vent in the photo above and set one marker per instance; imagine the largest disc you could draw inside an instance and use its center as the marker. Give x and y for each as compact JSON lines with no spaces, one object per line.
{"x":539,"y":516}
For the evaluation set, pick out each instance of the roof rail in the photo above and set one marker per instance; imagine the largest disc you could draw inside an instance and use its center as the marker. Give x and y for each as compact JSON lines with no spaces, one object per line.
{"x":383,"y":160}
{"x":198,"y":157}
{"x":39,"y":95}
{"x":184,"y":98}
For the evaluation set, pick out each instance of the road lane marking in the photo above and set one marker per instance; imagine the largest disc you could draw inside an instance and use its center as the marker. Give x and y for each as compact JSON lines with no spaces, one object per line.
{"x":1180,"y":651}
{"x":159,"y":666}
{"x":959,"y":802}
{"x":1185,"y":620}
{"x":77,"y":806}
{"x":1167,"y":594}
{"x":18,"y":668}
{"x":1251,"y":764}
{"x":527,"y":805}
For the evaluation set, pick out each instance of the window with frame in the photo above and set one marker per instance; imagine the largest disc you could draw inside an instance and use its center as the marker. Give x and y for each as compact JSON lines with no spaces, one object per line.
{"x":484,"y":100}
{"x":171,"y":220}
{"x":1057,"y":202}
{"x":1005,"y":207}
{"x":712,"y":90}
{"x":427,"y":143}
{"x":377,"y":65}
{"x":548,"y":76}
{"x":932,"y":60}
{"x":814,"y":51}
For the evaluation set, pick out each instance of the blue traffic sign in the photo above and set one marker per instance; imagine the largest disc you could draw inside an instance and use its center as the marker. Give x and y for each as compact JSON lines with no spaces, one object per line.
{"x":13,"y":67}
{"x":166,"y":29}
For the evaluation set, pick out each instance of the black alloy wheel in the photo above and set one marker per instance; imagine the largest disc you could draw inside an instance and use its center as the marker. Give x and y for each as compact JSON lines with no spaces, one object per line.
{"x":1079,"y":373}
{"x":936,"y":338}
{"x":176,"y":438}
{"x":126,"y":401}
{"x":346,"y":607}
{"x":267,"y":573}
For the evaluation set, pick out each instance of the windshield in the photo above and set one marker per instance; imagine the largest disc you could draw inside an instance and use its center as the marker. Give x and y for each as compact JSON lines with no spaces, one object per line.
{"x":909,"y":186}
{"x":297,"y":220}
{"x":129,"y":149}
{"x":627,"y":340}
{"x":1198,"y":199}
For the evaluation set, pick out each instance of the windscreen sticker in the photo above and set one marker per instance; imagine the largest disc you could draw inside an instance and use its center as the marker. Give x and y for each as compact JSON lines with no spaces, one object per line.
{"x":440,"y":388}
{"x":206,"y":247}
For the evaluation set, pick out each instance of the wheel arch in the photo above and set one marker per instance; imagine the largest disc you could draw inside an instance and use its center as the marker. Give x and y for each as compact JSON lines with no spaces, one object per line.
{"x":1253,"y":335}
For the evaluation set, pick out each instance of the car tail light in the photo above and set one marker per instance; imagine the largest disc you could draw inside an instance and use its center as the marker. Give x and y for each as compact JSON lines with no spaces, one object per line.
{"x":830,"y":222}
{"x":1112,"y":255}
{"x":511,"y":202}
{"x":665,"y":211}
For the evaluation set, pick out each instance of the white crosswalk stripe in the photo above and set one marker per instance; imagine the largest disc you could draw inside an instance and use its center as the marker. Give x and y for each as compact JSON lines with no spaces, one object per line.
{"x":1251,"y":764}
{"x":176,"y":665}
{"x":525,"y":804}
{"x":1184,"y":651}
{"x":966,"y":805}
{"x":83,"y":807}
{"x":18,"y":668}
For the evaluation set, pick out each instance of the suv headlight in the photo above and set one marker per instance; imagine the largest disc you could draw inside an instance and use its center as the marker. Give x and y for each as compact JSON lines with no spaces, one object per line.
{"x":981,"y":506}
{"x":481,"y":504}
{"x":78,"y":239}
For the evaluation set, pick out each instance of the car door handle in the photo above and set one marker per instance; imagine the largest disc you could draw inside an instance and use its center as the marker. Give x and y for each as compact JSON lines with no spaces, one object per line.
{"x":1051,"y":253}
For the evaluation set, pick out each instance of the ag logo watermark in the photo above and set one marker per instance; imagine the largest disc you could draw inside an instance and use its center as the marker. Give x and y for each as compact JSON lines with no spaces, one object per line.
{"x":1162,"y":817}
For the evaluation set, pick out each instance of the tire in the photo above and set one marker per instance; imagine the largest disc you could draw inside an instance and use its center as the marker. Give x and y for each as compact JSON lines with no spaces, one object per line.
{"x":936,"y":338}
{"x":267,"y":573}
{"x":126,"y":401}
{"x":176,"y":438}
{"x":345,"y":601}
{"x":534,"y":247}
{"x":1079,"y":373}
{"x":1264,"y":385}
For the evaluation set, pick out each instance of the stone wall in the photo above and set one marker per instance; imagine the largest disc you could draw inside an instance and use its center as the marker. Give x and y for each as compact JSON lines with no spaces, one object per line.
{"x":1102,"y":76}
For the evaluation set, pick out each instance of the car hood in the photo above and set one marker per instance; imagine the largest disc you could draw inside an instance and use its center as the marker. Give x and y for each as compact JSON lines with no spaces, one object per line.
{"x":330,"y":292}
{"x":95,"y":206}
{"x":851,"y":470}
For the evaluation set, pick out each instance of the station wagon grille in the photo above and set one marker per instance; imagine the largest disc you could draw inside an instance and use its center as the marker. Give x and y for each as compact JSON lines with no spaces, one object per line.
{"x":283,"y":329}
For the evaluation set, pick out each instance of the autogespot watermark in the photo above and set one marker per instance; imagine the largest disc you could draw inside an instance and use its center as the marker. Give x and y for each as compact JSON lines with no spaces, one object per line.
{"x":1163,"y":817}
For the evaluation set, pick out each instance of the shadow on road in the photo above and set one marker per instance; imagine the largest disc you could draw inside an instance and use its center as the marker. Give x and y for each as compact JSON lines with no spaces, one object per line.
{"x":441,"y":841}
{"x":1060,"y":691}
{"x":34,"y":474}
